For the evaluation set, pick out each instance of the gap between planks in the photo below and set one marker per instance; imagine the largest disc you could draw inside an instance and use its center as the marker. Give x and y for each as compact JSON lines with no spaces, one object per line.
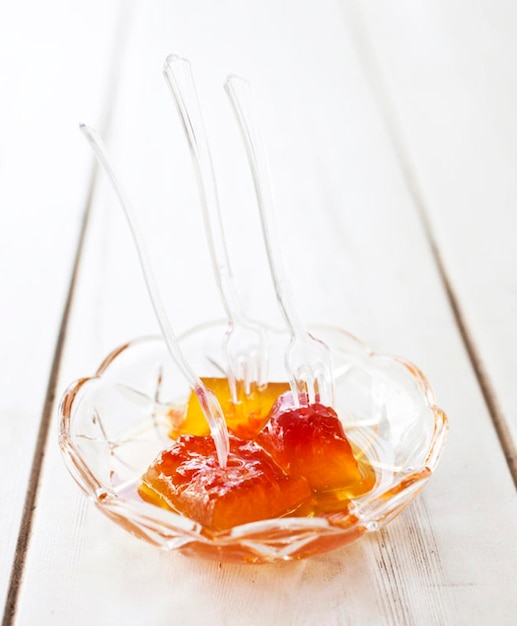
{"x":356,"y":25}
{"x":24,"y":534}
{"x":41,"y":441}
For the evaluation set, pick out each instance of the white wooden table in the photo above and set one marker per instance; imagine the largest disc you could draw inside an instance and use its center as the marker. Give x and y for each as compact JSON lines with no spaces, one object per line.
{"x":392,"y":137}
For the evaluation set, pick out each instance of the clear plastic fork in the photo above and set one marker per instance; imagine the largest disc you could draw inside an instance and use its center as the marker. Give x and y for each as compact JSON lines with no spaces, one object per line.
{"x":207,"y":399}
{"x":245,"y":341}
{"x":307,"y":359}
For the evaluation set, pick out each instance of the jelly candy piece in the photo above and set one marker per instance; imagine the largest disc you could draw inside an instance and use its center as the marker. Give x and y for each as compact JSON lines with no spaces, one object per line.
{"x":187,"y":478}
{"x":310,"y":441}
{"x":244,"y":419}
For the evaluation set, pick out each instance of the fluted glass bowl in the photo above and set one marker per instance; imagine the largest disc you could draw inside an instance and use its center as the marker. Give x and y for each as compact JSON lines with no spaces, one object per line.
{"x":114,"y":424}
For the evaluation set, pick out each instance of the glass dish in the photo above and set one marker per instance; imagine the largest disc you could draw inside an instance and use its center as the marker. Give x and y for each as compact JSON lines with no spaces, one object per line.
{"x":114,"y":424}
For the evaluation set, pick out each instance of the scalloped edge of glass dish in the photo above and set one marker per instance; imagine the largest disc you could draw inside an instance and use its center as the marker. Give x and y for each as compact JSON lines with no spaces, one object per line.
{"x":280,"y":539}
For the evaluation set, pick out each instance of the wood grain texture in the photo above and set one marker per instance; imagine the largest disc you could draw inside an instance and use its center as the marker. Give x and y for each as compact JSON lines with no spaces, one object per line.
{"x":362,"y":260}
{"x":448,"y":75}
{"x":50,"y":73}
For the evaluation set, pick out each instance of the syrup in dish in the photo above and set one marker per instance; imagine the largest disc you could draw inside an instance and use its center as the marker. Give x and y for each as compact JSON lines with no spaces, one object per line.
{"x":284,"y":460}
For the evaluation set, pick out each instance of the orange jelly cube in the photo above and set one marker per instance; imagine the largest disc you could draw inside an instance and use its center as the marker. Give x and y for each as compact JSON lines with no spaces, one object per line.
{"x":244,"y":419}
{"x":187,"y":478}
{"x":310,"y":441}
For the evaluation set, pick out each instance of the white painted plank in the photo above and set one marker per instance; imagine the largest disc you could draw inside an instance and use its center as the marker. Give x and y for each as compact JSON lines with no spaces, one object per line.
{"x":449,"y":71}
{"x":342,"y":194}
{"x":53,"y":66}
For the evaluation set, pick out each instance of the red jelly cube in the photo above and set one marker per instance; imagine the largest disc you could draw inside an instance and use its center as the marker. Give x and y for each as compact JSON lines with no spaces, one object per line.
{"x":188,"y":479}
{"x":309,"y":441}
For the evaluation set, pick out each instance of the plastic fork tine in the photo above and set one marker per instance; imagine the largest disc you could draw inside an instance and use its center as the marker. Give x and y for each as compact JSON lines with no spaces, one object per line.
{"x":308,"y":359}
{"x":208,"y":401}
{"x":244,"y":342}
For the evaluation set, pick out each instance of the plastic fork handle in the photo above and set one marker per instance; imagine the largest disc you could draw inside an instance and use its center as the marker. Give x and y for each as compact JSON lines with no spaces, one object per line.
{"x":179,"y":77}
{"x":210,"y":405}
{"x":239,"y":92}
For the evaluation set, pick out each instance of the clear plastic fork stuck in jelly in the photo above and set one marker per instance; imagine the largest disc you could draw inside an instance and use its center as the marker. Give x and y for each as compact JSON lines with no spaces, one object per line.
{"x":207,"y":399}
{"x":245,"y":339}
{"x":307,"y":359}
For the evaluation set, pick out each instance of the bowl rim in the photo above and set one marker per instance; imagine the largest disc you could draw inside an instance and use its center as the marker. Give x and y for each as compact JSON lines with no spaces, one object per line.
{"x":369,"y":512}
